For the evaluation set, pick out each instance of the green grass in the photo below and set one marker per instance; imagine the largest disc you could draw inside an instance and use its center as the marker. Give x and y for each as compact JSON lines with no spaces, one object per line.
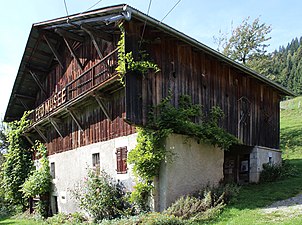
{"x":10,"y":221}
{"x":291,"y":128}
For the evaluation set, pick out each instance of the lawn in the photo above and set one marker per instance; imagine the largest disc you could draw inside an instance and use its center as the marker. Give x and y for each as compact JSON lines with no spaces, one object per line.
{"x":10,"y":221}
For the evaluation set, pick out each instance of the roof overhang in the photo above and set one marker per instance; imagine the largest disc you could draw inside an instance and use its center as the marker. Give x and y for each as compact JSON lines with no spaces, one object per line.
{"x":106,"y":16}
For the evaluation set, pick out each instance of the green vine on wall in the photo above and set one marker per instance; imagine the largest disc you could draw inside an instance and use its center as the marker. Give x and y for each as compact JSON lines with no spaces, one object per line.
{"x":165,"y":119}
{"x":38,"y":182}
{"x":18,"y":162}
{"x":126,"y":61}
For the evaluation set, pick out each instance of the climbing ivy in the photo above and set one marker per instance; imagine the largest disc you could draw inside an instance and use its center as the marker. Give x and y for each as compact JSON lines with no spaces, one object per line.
{"x":126,"y":61}
{"x":18,"y":162}
{"x":39,"y":180}
{"x":165,"y":119}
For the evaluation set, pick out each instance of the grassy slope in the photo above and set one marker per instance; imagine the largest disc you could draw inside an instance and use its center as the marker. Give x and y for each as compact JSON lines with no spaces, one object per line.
{"x":246,"y":210}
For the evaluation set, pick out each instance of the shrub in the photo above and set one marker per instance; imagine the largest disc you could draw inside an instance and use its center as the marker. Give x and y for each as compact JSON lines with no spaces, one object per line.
{"x":62,"y":218}
{"x":193,"y":208}
{"x":38,"y":182}
{"x":204,"y":205}
{"x":273,"y":172}
{"x":102,"y":197}
{"x":228,"y":191}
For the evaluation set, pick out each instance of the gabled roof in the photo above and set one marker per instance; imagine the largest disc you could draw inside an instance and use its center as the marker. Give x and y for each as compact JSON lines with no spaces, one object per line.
{"x":39,"y":57}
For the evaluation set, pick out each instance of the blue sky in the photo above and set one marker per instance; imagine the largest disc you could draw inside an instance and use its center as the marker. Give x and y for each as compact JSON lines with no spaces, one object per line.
{"x":199,"y":19}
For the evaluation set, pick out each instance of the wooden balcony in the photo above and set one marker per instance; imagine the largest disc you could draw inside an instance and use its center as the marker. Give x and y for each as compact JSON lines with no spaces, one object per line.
{"x":96,"y":81}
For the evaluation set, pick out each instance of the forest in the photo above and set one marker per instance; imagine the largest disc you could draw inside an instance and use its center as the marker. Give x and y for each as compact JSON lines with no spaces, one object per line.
{"x":284,"y":66}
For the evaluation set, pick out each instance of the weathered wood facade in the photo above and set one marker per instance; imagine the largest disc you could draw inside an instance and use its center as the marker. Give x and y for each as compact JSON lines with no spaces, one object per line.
{"x":67,"y":76}
{"x":251,"y":107}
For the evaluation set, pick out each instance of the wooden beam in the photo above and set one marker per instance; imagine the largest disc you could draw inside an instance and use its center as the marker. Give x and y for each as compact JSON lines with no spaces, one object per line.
{"x":93,"y":39}
{"x":28,"y":139}
{"x":74,"y":117}
{"x":103,"y":35}
{"x":23,"y":103}
{"x":40,"y":133}
{"x":69,"y":35}
{"x":72,"y":52}
{"x":24,"y":96}
{"x":38,"y":82}
{"x":92,"y":35}
{"x":55,"y":125}
{"x":54,"y":51}
{"x":102,"y":106}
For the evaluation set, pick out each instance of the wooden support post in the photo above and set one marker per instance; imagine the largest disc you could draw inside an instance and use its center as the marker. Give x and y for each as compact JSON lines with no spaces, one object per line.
{"x":54,"y":51}
{"x":102,"y":106}
{"x":93,"y":39}
{"x":23,"y":103}
{"x":25,"y":96}
{"x":102,"y":35}
{"x":38,"y":82}
{"x":74,"y":117}
{"x":55,"y":125}
{"x":67,"y":35}
{"x":28,"y":139}
{"x":72,"y":52}
{"x":92,"y":35}
{"x":40,"y":133}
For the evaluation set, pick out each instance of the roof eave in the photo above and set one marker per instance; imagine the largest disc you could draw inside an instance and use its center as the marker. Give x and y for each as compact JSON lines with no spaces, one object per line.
{"x":137,"y":14}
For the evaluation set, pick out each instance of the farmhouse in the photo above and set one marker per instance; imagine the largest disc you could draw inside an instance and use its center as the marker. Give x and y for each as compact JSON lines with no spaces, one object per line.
{"x":87,"y":116}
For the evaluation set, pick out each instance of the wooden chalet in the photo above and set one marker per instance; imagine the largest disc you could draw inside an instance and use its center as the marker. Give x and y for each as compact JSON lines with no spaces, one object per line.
{"x":68,"y":77}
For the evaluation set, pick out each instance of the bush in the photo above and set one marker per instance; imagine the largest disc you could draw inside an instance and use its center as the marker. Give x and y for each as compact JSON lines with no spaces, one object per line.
{"x":61,"y":218}
{"x":102,"y":197}
{"x":204,"y":205}
{"x":193,"y":208}
{"x":228,"y":192}
{"x":273,"y":172}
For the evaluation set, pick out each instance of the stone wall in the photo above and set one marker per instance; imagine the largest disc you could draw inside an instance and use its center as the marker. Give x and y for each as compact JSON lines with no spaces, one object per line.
{"x":71,"y":169}
{"x":192,"y":167}
{"x":258,"y":157}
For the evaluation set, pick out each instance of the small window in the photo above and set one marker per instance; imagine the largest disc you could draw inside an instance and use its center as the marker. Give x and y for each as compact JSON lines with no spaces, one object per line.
{"x":96,"y":160}
{"x":121,"y":160}
{"x":52,"y":170}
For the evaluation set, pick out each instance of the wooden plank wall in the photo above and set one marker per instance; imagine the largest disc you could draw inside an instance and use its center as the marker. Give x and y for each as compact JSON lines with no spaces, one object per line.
{"x":251,"y":107}
{"x":96,"y":126}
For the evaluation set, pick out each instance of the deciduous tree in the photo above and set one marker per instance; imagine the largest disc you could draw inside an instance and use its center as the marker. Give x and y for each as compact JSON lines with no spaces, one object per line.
{"x":247,"y":42}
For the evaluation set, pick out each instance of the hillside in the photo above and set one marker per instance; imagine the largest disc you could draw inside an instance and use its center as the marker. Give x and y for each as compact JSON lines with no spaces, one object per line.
{"x":291,"y":128}
{"x":284,"y":66}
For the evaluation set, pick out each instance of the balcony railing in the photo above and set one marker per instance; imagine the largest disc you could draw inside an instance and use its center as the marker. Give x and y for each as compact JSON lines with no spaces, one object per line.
{"x":84,"y":83}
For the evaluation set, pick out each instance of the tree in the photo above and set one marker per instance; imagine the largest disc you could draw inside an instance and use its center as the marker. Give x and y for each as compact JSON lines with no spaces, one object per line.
{"x":247,"y":41}
{"x":18,"y":163}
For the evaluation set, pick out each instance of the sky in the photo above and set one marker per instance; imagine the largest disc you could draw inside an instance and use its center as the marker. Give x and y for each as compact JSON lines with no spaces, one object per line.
{"x":199,"y":19}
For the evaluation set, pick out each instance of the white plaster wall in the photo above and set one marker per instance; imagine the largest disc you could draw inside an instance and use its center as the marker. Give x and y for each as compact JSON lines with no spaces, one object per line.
{"x":259,"y":156}
{"x":71,"y":168}
{"x":193,"y":166}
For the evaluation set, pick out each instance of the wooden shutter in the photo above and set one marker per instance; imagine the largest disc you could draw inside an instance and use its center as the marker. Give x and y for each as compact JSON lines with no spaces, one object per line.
{"x":121,"y":159}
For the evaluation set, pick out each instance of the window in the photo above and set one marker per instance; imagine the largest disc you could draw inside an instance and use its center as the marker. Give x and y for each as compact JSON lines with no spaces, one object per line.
{"x":121,"y":160}
{"x":96,"y":160}
{"x":52,"y":170}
